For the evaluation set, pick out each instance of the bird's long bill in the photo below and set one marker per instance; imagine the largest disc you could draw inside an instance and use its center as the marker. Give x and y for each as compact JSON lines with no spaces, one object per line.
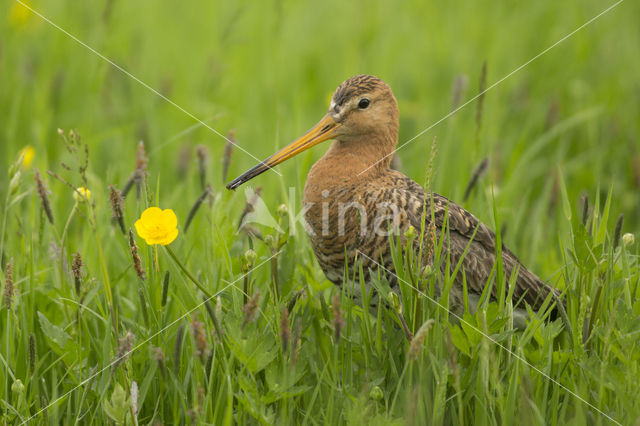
{"x":325,"y":129}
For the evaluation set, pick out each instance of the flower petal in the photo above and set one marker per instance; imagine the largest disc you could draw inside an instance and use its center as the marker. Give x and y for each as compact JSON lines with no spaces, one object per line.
{"x":169,"y":218}
{"x":151,"y":214}
{"x":141,"y":229}
{"x":169,"y":238}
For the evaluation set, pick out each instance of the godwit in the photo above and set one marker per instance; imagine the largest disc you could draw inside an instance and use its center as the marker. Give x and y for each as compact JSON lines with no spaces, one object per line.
{"x":356,"y":203}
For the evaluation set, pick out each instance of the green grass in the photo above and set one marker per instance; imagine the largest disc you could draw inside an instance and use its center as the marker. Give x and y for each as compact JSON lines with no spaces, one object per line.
{"x":563,"y":127}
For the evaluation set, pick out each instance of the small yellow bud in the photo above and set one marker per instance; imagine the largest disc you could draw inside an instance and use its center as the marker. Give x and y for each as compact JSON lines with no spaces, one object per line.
{"x":410,"y":233}
{"x":82,"y":194}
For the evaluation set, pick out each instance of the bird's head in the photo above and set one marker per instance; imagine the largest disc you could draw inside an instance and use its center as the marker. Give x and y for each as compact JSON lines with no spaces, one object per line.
{"x":361,"y":107}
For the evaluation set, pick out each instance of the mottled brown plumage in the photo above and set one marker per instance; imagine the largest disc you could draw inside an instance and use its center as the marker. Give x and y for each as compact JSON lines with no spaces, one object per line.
{"x":355,"y":201}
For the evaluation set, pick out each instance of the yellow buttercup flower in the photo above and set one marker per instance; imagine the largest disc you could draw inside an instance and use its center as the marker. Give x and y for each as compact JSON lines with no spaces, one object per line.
{"x":27,"y":153}
{"x":82,"y":194}
{"x":157,"y":226}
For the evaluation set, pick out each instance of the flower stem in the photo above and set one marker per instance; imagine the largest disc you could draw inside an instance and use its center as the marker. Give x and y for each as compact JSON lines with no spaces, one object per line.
{"x":62,"y":242}
{"x":187,"y":273}
{"x":63,"y":239}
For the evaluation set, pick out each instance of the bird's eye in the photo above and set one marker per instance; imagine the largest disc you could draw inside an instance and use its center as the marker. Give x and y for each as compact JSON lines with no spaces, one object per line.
{"x":364,"y":103}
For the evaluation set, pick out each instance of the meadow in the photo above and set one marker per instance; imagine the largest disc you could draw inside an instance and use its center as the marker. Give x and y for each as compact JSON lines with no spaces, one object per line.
{"x":240,"y":326}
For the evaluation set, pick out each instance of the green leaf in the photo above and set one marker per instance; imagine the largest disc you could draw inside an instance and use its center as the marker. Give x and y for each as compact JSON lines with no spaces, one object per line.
{"x":117,"y":408}
{"x":54,"y":333}
{"x":460,"y":340}
{"x":602,"y":226}
{"x":470,"y":327}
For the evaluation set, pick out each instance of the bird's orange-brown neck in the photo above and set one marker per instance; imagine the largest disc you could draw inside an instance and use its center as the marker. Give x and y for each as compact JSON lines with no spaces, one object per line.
{"x":351,"y":161}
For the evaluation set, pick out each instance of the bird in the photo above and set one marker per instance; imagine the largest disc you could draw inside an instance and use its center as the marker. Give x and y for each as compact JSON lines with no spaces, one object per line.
{"x":356,"y":205}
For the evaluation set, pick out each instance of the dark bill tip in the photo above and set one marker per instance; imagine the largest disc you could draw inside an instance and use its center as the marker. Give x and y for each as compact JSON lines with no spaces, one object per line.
{"x":247,"y":176}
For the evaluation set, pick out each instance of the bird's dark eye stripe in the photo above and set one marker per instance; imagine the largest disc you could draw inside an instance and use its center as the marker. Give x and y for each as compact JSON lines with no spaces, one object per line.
{"x":364,"y":103}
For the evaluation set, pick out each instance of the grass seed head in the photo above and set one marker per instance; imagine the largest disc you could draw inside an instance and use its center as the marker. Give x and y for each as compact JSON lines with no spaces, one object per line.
{"x":431,"y":243}
{"x":32,"y":352}
{"x":618,"y":230}
{"x":177,"y":349}
{"x":76,"y":269}
{"x":203,"y":156}
{"x":137,"y":262}
{"x":134,"y":397}
{"x":285,"y":331}
{"x":478,"y":172}
{"x":125,"y":346}
{"x":158,"y":355}
{"x":457,"y":91}
{"x":43,"y":193}
{"x":207,"y":192}
{"x":199,"y":336}
{"x":297,"y":341}
{"x":433,"y":152}
{"x":228,"y":151}
{"x":249,"y":206}
{"x":184,"y":158}
{"x":165,"y":287}
{"x":140,"y":173}
{"x":117,"y":207}
{"x":482,"y":86}
{"x":585,"y":209}
{"x":417,"y":343}
{"x":142,"y":161}
{"x":251,"y":308}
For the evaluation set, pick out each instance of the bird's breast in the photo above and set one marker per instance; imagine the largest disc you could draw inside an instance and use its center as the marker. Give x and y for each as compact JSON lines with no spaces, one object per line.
{"x":351,"y":221}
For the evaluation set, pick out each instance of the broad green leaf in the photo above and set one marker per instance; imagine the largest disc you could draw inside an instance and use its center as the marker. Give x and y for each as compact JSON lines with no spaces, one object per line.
{"x":460,"y":340}
{"x":54,"y":333}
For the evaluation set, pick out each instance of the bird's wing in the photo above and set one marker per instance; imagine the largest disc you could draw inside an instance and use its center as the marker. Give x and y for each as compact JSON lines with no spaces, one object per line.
{"x":463,"y":226}
{"x":460,"y":220}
